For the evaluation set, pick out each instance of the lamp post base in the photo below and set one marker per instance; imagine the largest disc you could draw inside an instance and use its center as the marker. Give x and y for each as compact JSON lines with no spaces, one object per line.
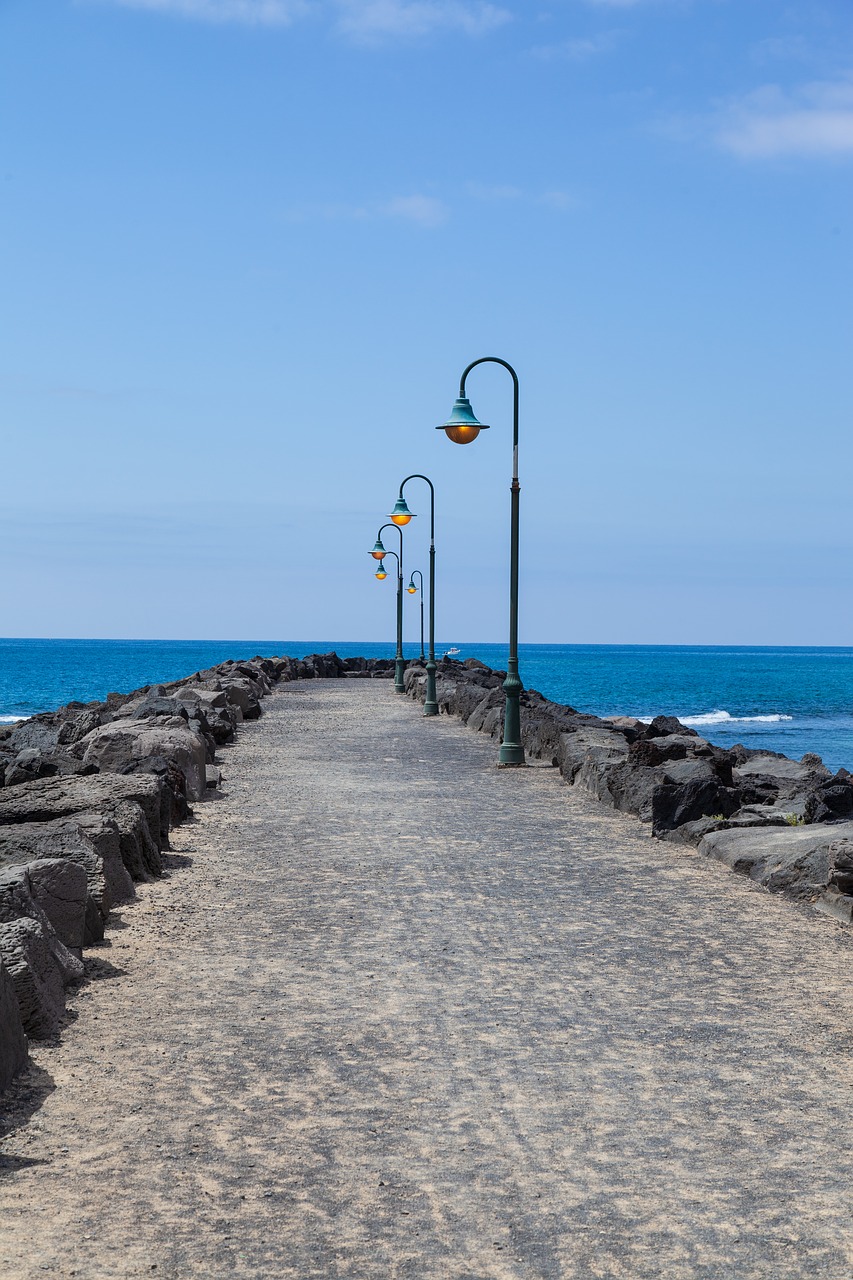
{"x":430,"y":702}
{"x":512,"y":750}
{"x":399,"y":672}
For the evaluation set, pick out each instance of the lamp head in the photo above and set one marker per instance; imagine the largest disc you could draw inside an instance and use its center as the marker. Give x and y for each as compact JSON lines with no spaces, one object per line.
{"x":462,"y":427}
{"x":401,"y":515}
{"x":411,"y":588}
{"x":381,"y":572}
{"x":379,"y":551}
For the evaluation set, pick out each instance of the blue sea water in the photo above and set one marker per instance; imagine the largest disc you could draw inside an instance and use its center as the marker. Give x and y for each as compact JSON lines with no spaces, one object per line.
{"x":786,"y":699}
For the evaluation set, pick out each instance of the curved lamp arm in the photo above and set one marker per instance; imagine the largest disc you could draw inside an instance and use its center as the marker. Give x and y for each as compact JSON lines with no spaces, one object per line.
{"x":417,"y":476}
{"x":514,"y":375}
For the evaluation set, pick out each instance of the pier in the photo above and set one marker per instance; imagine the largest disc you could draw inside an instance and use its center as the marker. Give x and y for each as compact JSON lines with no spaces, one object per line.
{"x":395,"y":1012}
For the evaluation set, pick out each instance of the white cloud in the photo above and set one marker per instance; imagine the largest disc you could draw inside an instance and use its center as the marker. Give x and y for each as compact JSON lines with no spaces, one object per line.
{"x":253,"y":13}
{"x":576,"y":50}
{"x":425,"y":211}
{"x":365,"y":21}
{"x":422,"y":211}
{"x":561,"y":200}
{"x":815,"y":120}
{"x":783,"y":48}
{"x":493,"y":191}
{"x":370,"y":20}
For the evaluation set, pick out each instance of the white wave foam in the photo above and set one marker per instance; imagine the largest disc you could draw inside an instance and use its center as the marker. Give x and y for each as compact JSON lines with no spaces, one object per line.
{"x":724,"y":717}
{"x":12,"y":719}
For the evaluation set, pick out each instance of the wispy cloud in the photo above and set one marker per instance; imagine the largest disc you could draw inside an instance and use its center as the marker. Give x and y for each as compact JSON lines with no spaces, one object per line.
{"x":417,"y":209}
{"x":252,"y":13}
{"x":578,"y":49}
{"x":814,"y":120}
{"x":494,"y":192}
{"x":561,"y":200}
{"x":372,"y":20}
{"x":428,"y":211}
{"x":424,"y":211}
{"x":792,"y":48}
{"x":365,"y":21}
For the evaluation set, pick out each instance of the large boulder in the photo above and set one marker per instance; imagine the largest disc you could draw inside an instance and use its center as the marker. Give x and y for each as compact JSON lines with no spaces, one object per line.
{"x":78,"y":724}
{"x":28,"y":765}
{"x":689,"y":798}
{"x":488,"y":715}
{"x":52,"y":798}
{"x":798,"y":860}
{"x":590,"y":745}
{"x":220,"y":717}
{"x":664,"y":726}
{"x":118,"y":838}
{"x":778,"y":766}
{"x":243,"y":695}
{"x":609,"y":777}
{"x":96,"y":851}
{"x":175,"y":785}
{"x":60,"y":888}
{"x":37,"y":961}
{"x":326,"y":666}
{"x":112,"y":746}
{"x":545,"y":724}
{"x":121,"y":815}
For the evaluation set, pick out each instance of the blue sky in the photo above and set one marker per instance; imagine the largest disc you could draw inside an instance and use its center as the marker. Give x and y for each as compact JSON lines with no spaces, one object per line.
{"x":249,"y":245}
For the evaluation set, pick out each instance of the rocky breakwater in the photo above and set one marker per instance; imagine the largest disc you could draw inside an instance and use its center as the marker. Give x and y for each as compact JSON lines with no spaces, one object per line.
{"x":88,"y":795}
{"x":787,"y":824}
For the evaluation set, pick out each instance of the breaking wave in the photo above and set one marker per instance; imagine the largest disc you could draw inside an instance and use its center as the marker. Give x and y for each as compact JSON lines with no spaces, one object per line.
{"x":12,"y":719}
{"x":724,"y":717}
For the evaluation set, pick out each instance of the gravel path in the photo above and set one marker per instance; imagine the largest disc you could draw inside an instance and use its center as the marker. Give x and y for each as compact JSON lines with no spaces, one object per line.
{"x":398,"y":1013}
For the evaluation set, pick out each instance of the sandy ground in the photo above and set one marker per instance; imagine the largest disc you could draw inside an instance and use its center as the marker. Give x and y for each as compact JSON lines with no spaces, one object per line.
{"x":397,"y":1013}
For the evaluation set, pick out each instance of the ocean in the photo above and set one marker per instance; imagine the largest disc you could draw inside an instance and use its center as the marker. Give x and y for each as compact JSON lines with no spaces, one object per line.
{"x":785,"y":699}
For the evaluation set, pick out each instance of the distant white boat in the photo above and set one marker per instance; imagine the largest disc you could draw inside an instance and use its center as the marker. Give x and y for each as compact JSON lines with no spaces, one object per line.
{"x":451,"y":653}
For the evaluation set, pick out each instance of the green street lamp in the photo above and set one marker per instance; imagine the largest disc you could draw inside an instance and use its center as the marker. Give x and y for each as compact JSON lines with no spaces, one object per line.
{"x":401,"y":515}
{"x":379,"y":554}
{"x":463,"y":428}
{"x":412,"y":589}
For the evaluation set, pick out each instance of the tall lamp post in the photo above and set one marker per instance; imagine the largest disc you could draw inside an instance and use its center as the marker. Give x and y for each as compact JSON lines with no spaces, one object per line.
{"x":463,"y":428}
{"x":401,"y":515}
{"x":412,"y":589}
{"x":379,"y":553}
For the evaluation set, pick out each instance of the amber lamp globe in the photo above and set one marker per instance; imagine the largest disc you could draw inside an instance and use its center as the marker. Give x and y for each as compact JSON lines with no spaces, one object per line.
{"x":462,"y":427}
{"x":401,"y":515}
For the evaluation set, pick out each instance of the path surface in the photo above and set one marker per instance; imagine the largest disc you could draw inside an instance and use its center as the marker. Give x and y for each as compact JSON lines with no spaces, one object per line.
{"x":398,"y":1013}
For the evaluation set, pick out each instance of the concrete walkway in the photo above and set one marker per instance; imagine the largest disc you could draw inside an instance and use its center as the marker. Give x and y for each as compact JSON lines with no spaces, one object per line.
{"x":398,"y":1013}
